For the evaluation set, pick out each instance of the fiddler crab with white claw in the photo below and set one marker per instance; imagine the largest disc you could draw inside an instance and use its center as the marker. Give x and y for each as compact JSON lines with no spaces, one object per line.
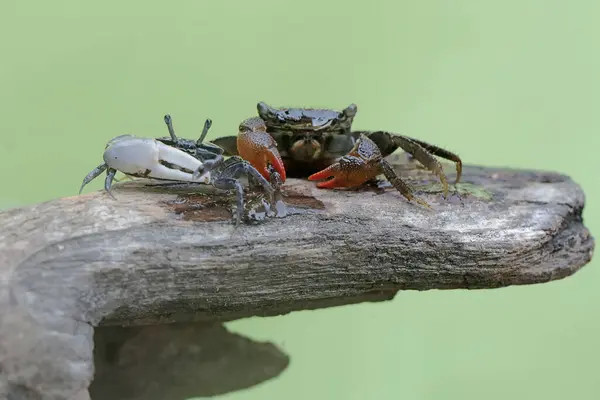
{"x":182,"y":160}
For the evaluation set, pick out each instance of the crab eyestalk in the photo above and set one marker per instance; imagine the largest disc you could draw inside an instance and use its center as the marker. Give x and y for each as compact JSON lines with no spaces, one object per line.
{"x":350,"y":111}
{"x":265,"y":111}
{"x":257,"y":147}
{"x":169,"y":123}
{"x":207,"y":125}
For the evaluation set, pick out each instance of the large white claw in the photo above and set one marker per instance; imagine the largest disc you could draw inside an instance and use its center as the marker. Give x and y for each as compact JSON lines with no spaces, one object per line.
{"x":145,"y":157}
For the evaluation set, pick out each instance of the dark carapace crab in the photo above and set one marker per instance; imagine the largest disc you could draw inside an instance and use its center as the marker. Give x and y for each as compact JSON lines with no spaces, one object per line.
{"x":320,"y":144}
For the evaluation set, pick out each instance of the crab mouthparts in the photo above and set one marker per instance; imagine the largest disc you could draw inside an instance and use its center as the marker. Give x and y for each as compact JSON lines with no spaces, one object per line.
{"x":306,"y":150}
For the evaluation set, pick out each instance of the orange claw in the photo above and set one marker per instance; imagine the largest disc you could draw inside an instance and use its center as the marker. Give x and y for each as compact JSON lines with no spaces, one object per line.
{"x":349,"y":172}
{"x":358,"y":166}
{"x":363,"y":163}
{"x":259,"y":148}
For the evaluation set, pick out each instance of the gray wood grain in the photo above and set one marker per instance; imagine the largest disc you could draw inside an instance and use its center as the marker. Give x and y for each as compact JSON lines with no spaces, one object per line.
{"x":164,"y":253}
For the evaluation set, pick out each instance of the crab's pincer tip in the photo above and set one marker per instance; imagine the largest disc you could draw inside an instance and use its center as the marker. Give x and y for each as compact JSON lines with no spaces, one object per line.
{"x":458,"y":170}
{"x":275,"y":160}
{"x":328,"y":172}
{"x":330,"y":184}
{"x":324,"y":175}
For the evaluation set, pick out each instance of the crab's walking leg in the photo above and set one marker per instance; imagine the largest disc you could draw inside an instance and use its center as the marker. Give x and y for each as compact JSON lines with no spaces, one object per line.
{"x":399,"y":184}
{"x":277,"y":198}
{"x":93,"y":175}
{"x":229,"y":184}
{"x":229,"y":172}
{"x":250,"y":171}
{"x":208,"y":166}
{"x":110,"y":175}
{"x":423,"y":156}
{"x":419,"y":150}
{"x":448,"y":155}
{"x":257,"y":146}
{"x":238,"y":166}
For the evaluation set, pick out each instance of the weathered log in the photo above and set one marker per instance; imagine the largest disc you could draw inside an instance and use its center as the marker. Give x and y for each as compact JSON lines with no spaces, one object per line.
{"x":164,"y":253}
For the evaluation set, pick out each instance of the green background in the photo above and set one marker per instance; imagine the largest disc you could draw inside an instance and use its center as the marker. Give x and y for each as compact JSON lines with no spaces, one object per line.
{"x":503,"y":83}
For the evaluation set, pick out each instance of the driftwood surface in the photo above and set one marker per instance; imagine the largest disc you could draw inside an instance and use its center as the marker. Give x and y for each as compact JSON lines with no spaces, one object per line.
{"x":126,"y":298}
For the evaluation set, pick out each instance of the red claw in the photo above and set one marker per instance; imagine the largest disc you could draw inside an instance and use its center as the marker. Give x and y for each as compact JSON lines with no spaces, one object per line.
{"x":259,"y":148}
{"x":332,"y":171}
{"x":357,"y":167}
{"x":349,"y":172}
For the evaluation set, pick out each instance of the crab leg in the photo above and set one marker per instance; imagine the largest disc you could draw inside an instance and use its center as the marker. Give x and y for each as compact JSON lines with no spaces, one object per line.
{"x":232,"y":169}
{"x":229,"y":184}
{"x":110,"y":176}
{"x":421,"y":151}
{"x":256,"y":146}
{"x":399,"y":184}
{"x":240,"y":167}
{"x":93,"y":175}
{"x":424,"y":157}
{"x":437,"y":151}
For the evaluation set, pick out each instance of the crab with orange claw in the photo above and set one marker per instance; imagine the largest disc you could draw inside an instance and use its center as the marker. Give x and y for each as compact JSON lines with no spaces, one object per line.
{"x":319,"y":144}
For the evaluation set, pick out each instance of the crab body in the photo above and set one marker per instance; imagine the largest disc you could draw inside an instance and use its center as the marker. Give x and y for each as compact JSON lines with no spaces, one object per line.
{"x":320,"y":144}
{"x":306,"y":139}
{"x":176,"y":159}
